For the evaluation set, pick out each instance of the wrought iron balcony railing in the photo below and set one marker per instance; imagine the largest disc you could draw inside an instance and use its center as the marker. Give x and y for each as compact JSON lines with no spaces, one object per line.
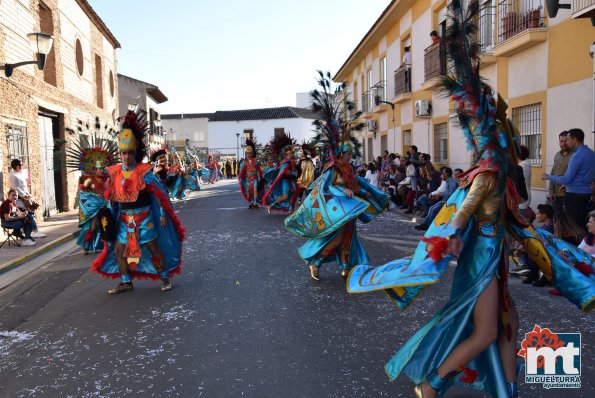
{"x":366,"y":101}
{"x":434,"y":61}
{"x":516,"y":16}
{"x":485,"y":33}
{"x":401,"y":85}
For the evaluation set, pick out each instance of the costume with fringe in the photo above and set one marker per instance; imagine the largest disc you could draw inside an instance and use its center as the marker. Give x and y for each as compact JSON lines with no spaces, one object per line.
{"x":327,"y":211}
{"x":91,"y":158}
{"x":138,"y":200}
{"x":284,"y":182}
{"x":213,"y":170}
{"x":251,"y":178}
{"x":480,"y":212}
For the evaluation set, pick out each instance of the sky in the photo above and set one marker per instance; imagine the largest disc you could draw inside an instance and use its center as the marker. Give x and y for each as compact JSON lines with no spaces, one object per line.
{"x":209,"y":55}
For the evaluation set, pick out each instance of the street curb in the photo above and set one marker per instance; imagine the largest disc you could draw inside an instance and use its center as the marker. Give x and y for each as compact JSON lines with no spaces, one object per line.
{"x":7,"y":266}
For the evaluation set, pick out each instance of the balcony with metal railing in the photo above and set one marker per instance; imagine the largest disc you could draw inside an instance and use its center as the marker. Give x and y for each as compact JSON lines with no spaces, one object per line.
{"x":583,"y":8}
{"x":434,"y":64}
{"x":486,"y":33}
{"x":367,"y":104}
{"x":521,"y":25}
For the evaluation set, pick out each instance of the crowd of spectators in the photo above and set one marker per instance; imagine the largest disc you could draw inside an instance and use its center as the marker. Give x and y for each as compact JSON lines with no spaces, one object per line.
{"x":417,"y":188}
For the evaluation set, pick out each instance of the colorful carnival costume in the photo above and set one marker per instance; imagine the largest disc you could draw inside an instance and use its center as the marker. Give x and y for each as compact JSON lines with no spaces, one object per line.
{"x":159,"y":159}
{"x":327,"y":216}
{"x":144,"y":234}
{"x":471,"y":341}
{"x":91,"y":158}
{"x":177,"y":187}
{"x":282,"y":193}
{"x":305,"y":169}
{"x":213,"y":168}
{"x":192,"y":176}
{"x":250,"y":177}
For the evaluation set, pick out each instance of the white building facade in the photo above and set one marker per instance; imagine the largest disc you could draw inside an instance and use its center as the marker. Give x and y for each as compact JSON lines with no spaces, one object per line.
{"x":224,"y":132}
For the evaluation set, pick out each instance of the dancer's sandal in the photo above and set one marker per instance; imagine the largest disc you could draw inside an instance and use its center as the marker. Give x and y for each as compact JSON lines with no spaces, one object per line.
{"x":434,"y":381}
{"x":122,"y":287}
{"x":165,"y":285}
{"x":314,"y":272}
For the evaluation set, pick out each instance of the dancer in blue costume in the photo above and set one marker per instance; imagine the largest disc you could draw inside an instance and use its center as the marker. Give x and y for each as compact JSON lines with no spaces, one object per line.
{"x":327,"y":216}
{"x":161,"y":166}
{"x":192,"y":177}
{"x":472,"y":340}
{"x":282,"y":194}
{"x":177,"y":188}
{"x":91,"y":158}
{"x":144,"y":234}
{"x":251,"y":177}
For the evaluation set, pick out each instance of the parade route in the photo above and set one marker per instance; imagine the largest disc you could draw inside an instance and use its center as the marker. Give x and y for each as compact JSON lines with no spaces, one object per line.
{"x":244,"y":319}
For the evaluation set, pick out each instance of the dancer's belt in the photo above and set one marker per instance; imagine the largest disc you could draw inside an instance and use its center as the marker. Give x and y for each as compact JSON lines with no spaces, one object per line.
{"x":132,"y":218}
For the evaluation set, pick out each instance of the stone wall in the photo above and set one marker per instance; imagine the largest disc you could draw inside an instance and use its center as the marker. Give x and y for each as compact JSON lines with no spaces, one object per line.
{"x":73,"y":98}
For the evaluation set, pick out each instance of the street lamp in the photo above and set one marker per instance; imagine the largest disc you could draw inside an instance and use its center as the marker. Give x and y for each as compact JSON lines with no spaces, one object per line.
{"x":41,"y":44}
{"x":238,"y":146}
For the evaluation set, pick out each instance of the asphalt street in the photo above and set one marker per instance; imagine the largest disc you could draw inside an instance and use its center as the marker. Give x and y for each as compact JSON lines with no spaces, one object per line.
{"x":243,"y":320}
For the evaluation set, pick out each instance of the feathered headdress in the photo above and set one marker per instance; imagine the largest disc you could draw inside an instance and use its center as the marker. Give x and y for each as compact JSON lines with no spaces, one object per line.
{"x":90,"y":154}
{"x":489,"y":134}
{"x":333,"y":130}
{"x":157,"y":154}
{"x":132,"y":136}
{"x":280,"y":143}
{"x":252,"y":144}
{"x":308,"y":149}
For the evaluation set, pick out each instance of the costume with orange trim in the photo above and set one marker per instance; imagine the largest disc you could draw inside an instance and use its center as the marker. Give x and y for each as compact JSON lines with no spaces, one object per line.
{"x":138,"y":202}
{"x":282,"y":193}
{"x":91,"y":157}
{"x":177,"y":188}
{"x":455,"y":347}
{"x":337,"y":199}
{"x":251,"y":176}
{"x":213,"y":167}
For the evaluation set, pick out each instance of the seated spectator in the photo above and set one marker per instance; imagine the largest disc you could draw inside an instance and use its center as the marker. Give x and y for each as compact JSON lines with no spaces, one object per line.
{"x":588,"y":244}
{"x":372,"y":174}
{"x":440,"y":196}
{"x":528,"y":270}
{"x":14,"y":218}
{"x":390,"y":188}
{"x":18,"y":183}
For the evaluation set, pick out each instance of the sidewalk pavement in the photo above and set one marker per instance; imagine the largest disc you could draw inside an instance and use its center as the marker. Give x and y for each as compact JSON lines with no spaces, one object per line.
{"x":59,"y":229}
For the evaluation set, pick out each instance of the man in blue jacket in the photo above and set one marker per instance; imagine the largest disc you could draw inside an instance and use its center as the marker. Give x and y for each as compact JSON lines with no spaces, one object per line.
{"x":578,"y":177}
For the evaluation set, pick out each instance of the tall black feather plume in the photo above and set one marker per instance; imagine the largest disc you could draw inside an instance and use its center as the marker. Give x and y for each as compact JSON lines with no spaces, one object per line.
{"x":336,"y":119}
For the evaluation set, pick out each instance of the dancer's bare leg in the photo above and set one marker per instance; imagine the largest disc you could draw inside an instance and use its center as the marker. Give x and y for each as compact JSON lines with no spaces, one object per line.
{"x":485,"y":323}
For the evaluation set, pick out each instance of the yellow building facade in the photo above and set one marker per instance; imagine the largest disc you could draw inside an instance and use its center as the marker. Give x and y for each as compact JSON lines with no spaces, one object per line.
{"x":542,"y":66}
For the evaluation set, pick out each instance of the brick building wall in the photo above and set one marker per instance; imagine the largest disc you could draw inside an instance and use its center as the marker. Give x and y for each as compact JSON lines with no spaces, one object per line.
{"x":60,"y":91}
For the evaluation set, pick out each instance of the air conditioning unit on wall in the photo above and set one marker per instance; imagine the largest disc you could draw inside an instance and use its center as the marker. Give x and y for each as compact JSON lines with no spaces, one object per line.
{"x":372,"y":125}
{"x":423,"y":108}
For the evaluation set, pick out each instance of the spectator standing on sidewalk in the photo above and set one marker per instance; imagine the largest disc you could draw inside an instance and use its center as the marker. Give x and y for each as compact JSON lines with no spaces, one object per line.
{"x":578,"y":177}
{"x":14,"y":218}
{"x":561,"y":159}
